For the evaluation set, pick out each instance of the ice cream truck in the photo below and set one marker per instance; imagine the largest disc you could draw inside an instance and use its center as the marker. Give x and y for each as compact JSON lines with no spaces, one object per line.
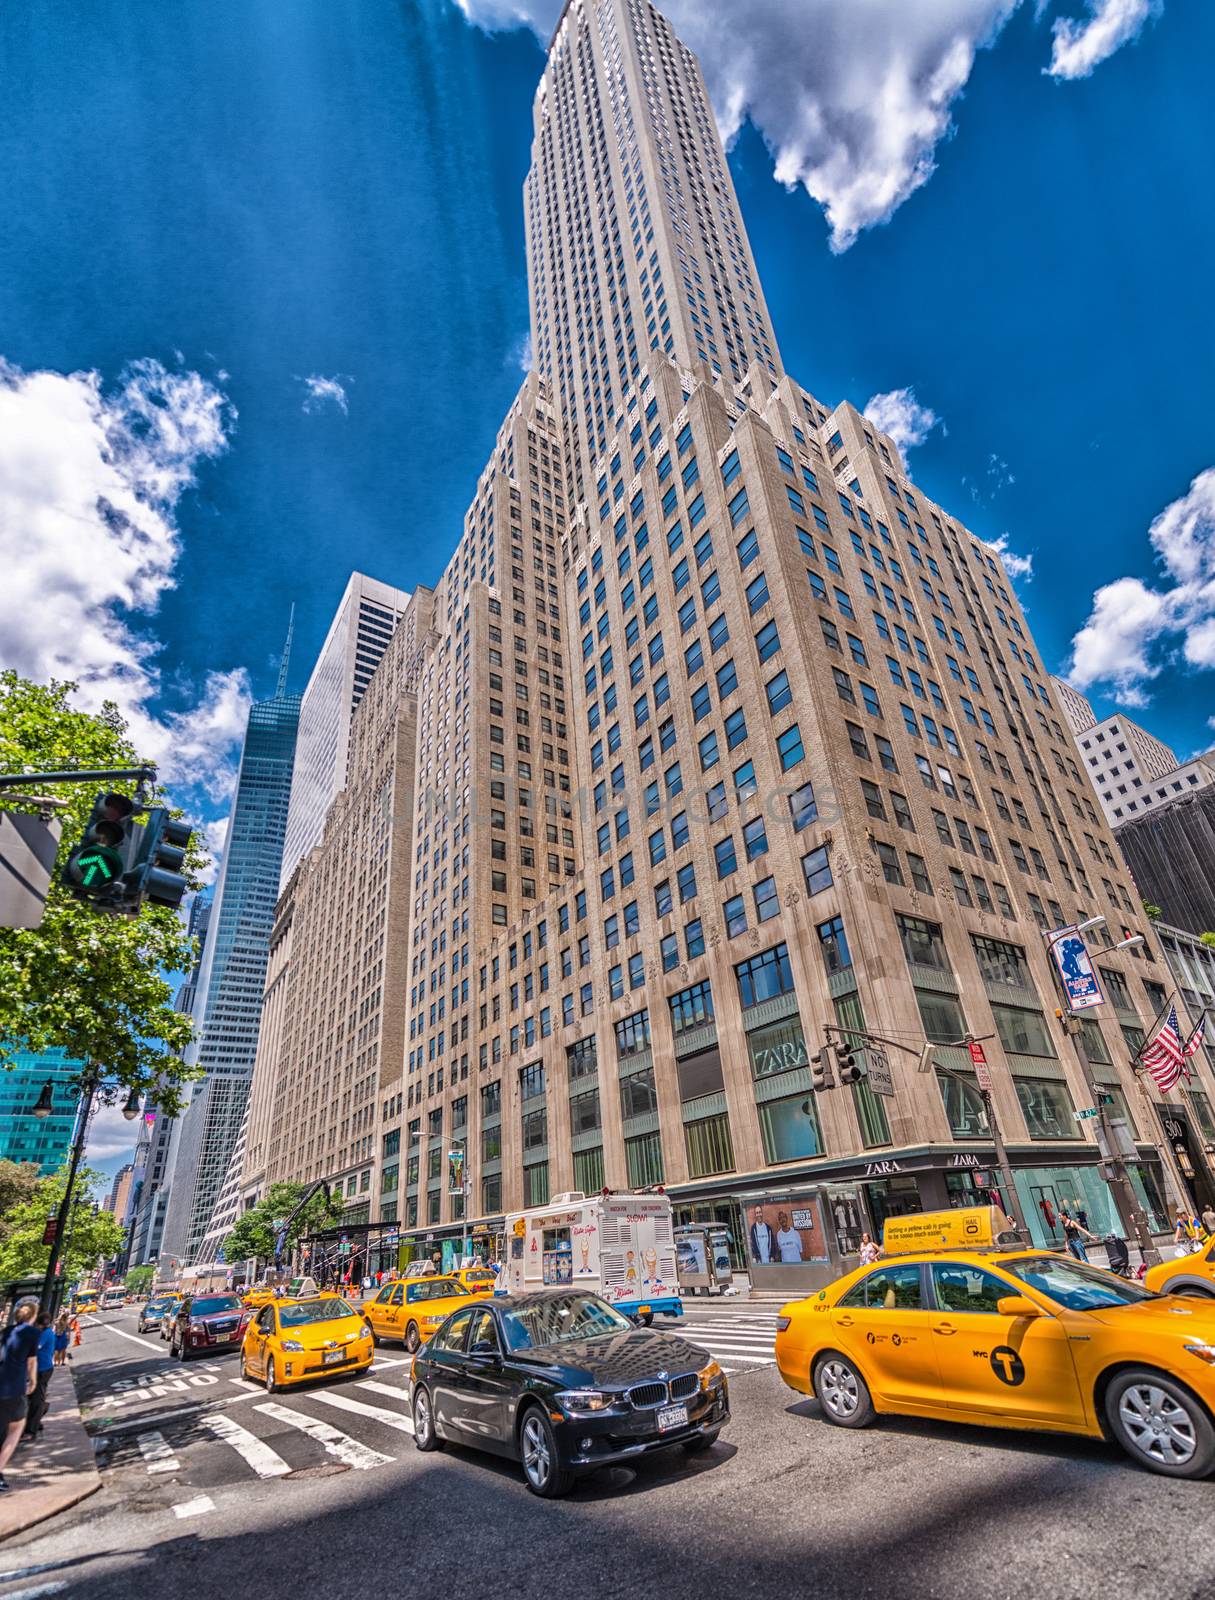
{"x":620,"y":1245}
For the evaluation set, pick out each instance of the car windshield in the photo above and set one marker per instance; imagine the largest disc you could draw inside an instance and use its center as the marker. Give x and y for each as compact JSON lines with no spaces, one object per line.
{"x":438,"y":1289}
{"x":560,"y":1318}
{"x":158,"y":1305}
{"x":1077,"y":1287}
{"x":213,"y":1303}
{"x":314,"y":1311}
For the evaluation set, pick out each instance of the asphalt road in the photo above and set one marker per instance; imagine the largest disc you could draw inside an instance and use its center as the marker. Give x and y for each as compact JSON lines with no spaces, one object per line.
{"x":209,"y":1495}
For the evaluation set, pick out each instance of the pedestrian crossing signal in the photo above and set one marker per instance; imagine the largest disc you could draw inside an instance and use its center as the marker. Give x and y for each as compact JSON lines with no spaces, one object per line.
{"x":94,"y":870}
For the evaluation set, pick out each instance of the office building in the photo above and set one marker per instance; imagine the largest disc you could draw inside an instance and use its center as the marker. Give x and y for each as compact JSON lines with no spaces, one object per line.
{"x":45,"y":1141}
{"x":725,"y":734}
{"x":1171,"y":851}
{"x":357,"y":638}
{"x":120,"y":1192}
{"x":229,"y":990}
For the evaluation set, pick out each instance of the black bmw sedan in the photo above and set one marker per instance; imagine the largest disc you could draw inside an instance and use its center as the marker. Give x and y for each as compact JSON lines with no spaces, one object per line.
{"x":563,"y":1384}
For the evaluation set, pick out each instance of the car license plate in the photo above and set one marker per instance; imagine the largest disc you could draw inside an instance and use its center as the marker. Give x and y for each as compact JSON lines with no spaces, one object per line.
{"x":330,"y":1358}
{"x":672,"y":1417}
{"x":643,"y":1311}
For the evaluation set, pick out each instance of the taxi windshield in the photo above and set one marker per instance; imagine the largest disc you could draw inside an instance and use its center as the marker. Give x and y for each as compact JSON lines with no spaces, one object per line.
{"x":558,"y":1319}
{"x":1077,"y":1287}
{"x":437,"y":1289}
{"x":314,"y":1311}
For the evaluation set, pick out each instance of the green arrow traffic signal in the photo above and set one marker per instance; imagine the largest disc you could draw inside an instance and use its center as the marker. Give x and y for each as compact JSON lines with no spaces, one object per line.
{"x":96,"y":865}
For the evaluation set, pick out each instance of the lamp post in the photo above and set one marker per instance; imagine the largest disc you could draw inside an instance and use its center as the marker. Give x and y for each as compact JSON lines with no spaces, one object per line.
{"x":419,"y":1139}
{"x":1130,"y":1213}
{"x":91,"y":1089}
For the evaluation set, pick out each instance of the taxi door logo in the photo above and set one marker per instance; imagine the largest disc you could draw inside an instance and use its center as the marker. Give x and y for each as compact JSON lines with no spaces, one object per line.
{"x":1007,"y":1365}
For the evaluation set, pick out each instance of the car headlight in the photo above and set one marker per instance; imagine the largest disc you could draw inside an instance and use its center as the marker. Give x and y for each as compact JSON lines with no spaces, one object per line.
{"x":1203,"y":1350}
{"x":292,"y":1344}
{"x":581,"y":1401}
{"x":709,"y":1375}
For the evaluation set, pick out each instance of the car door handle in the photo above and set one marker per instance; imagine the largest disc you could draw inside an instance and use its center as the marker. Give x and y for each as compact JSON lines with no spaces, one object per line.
{"x":943,"y":1327}
{"x":844,"y":1322}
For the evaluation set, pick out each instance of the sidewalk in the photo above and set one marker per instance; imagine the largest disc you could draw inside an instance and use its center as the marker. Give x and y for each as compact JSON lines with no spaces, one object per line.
{"x":55,"y":1472}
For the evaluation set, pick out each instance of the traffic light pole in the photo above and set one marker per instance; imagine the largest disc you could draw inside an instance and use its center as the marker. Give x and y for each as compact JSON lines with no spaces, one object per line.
{"x":88,"y":1089}
{"x":15,"y":780}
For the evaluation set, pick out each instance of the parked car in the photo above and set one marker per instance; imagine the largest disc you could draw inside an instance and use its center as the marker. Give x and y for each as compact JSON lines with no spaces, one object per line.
{"x":562,"y":1383}
{"x":206,"y":1324}
{"x":153,"y":1313}
{"x":167,"y":1321}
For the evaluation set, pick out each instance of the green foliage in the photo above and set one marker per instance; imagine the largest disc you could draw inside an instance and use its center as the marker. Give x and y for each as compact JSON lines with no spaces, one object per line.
{"x":1153,"y":913}
{"x":255,"y":1230}
{"x":17,"y":1182}
{"x":89,"y":1236}
{"x":139,"y":1280}
{"x":1209,"y":940}
{"x":86,"y":982}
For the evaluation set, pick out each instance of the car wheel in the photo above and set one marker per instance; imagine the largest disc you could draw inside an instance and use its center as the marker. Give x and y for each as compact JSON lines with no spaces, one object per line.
{"x":646,"y":1319}
{"x":412,"y":1338}
{"x":271,"y":1385}
{"x":1191,"y":1291}
{"x":542,"y":1469}
{"x":842,"y":1392}
{"x":706,"y":1441}
{"x":424,"y":1434}
{"x":1160,"y":1424}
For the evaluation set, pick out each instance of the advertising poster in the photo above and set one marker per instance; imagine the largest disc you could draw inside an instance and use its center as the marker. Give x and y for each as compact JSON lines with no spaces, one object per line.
{"x":1076,"y":969}
{"x":785,"y":1232}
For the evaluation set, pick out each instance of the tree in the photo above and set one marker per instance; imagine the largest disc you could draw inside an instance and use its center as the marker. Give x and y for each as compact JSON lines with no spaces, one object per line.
{"x":139,"y":1280}
{"x":94,"y":985}
{"x":254,"y":1232}
{"x":1153,"y":913}
{"x":17,"y":1182}
{"x":1209,"y":940}
{"x":89,"y":1235}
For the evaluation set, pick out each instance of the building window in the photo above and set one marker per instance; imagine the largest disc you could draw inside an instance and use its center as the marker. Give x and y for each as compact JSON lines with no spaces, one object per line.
{"x":588,"y":1170}
{"x":789,"y":747}
{"x":817,"y":870}
{"x":764,"y":976}
{"x":643,"y":1160}
{"x":691,"y":1007}
{"x":789,"y":1128}
{"x":1022,"y":1032}
{"x":1047,"y":1108}
{"x":535,"y":1183}
{"x":834,"y":944}
{"x":709,"y":1146}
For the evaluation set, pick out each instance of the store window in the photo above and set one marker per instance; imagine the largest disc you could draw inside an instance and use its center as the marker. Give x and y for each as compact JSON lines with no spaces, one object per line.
{"x":780,"y":1047}
{"x":963,"y":1106}
{"x":1047,"y":1108}
{"x":790,"y":1128}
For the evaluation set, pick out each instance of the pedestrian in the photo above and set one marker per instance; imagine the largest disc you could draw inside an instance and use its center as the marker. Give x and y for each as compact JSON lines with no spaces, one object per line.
{"x":1187,"y":1230}
{"x":62,"y":1337}
{"x":18,"y":1378}
{"x":75,"y":1332}
{"x":46,"y":1365}
{"x":1072,"y":1231}
{"x":869,"y":1251}
{"x":1208,"y":1219}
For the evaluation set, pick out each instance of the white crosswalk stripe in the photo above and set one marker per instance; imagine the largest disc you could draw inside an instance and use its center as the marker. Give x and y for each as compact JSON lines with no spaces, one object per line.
{"x":157,"y":1454}
{"x":741,"y":1342}
{"x":267,"y":1463}
{"x":337,"y":1444}
{"x":390,"y":1419}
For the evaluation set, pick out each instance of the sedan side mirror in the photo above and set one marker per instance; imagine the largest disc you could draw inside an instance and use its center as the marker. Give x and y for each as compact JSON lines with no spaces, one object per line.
{"x":1016,"y":1305}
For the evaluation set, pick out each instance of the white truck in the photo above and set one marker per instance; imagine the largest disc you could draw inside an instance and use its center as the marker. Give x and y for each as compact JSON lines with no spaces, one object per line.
{"x":621,"y":1246}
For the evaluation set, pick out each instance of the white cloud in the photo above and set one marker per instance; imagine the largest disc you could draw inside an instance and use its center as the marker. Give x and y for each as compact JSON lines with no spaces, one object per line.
{"x":851,"y":97}
{"x":521,"y":353}
{"x":899,"y":414}
{"x":90,"y":480}
{"x":323,"y":392}
{"x":1133,"y":629}
{"x":215,"y":837}
{"x":110,"y":1134}
{"x":1017,"y":566}
{"x":1079,"y":46}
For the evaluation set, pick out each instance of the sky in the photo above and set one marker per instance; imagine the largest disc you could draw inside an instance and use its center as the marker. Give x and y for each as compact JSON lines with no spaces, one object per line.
{"x":257,"y":258}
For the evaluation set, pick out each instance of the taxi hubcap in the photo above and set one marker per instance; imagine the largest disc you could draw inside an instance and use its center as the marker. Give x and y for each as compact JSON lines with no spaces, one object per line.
{"x":1157,"y":1425}
{"x":838,"y":1388}
{"x":535,"y":1451}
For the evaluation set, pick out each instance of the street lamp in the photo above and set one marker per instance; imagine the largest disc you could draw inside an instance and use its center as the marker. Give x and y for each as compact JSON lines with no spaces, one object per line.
{"x":419,"y":1139}
{"x":92,"y":1089}
{"x":1130,"y":1212}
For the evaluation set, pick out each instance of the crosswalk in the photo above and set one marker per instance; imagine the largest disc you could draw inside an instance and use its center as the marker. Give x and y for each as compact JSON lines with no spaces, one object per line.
{"x":741,"y":1341}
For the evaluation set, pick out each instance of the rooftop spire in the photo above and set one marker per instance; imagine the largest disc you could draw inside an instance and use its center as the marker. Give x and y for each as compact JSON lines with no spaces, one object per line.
{"x":286,"y":661}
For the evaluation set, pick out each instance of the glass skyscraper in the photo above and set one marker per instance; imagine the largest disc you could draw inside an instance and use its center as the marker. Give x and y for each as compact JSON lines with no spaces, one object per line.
{"x":23,"y":1136}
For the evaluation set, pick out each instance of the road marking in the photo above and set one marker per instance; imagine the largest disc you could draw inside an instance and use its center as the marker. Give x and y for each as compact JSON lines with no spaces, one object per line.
{"x":245,"y":1383}
{"x":336,"y":1444}
{"x":158,"y":1455}
{"x":384,"y":1388}
{"x":37,"y":1591}
{"x":256,"y":1452}
{"x":106,"y":1429}
{"x":194,"y":1508}
{"x":383,"y":1366}
{"x":390,"y":1419}
{"x":134,"y":1337}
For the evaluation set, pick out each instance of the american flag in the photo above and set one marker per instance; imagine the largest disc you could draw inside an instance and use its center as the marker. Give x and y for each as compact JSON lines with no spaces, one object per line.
{"x":1196,"y":1038}
{"x":1163,"y":1057}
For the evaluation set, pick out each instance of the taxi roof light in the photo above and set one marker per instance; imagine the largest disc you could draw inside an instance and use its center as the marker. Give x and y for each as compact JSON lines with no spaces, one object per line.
{"x":963,"y":1228}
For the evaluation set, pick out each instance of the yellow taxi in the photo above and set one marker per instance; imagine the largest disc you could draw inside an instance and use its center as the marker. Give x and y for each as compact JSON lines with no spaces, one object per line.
{"x":410,"y":1310}
{"x":953,"y":1325}
{"x":477,"y":1280}
{"x":1190,"y":1275}
{"x":262,"y":1295}
{"x":290,"y":1341}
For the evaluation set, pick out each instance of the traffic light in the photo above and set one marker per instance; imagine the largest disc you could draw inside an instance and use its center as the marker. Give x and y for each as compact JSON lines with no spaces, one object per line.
{"x":821,"y":1075}
{"x":94,"y":870}
{"x":157,"y":875}
{"x":851,"y":1070}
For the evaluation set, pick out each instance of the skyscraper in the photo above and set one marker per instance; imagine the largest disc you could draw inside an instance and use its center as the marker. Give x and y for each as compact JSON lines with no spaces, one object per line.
{"x":23,"y":1136}
{"x":233,"y":970}
{"x":357,"y":638}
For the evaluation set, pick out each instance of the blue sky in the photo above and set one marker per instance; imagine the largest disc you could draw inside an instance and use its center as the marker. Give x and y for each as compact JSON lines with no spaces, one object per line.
{"x":257,"y":256}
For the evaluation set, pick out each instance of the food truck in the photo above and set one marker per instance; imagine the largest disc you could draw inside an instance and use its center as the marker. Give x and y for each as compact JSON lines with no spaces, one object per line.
{"x":619,"y":1245}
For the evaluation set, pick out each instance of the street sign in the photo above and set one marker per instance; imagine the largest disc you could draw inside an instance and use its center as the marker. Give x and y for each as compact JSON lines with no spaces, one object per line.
{"x":1070,"y":955}
{"x":979,"y":1062}
{"x":877,"y":1070}
{"x":1083,"y":1116}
